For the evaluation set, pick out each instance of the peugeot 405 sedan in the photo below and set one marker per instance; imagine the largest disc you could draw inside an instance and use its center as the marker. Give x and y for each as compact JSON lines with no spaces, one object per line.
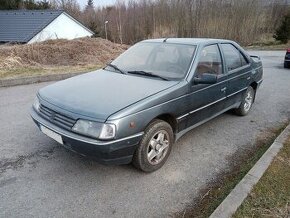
{"x":287,"y":59}
{"x":140,"y":104}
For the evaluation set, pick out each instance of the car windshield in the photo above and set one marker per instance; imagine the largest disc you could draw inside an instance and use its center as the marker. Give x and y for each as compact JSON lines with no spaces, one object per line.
{"x":164,"y":60}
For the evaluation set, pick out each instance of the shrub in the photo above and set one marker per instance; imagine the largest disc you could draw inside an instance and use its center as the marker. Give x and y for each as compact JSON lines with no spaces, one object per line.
{"x":283,"y":32}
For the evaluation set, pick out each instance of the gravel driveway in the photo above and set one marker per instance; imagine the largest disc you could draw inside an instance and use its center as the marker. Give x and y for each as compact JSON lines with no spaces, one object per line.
{"x":39,"y":178}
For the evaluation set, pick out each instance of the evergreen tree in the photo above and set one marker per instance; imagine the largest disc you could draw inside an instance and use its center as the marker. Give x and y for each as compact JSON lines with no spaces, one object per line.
{"x":44,"y":4}
{"x":90,"y":4}
{"x":90,"y":13}
{"x":9,"y":4}
{"x":24,"y":4}
{"x":283,"y":32}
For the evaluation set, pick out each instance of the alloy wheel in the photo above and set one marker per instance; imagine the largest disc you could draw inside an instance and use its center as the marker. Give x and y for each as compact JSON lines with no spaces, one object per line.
{"x":248,"y":101}
{"x":158,"y":147}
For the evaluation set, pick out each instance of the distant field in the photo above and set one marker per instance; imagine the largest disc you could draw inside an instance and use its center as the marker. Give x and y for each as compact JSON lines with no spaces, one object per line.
{"x":56,"y":56}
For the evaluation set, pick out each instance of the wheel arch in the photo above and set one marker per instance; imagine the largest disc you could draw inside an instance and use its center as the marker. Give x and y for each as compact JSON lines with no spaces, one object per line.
{"x":168,"y":118}
{"x":254,"y":85}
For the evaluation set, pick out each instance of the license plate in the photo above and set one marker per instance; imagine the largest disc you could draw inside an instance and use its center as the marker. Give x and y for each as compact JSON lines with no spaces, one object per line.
{"x":51,"y":134}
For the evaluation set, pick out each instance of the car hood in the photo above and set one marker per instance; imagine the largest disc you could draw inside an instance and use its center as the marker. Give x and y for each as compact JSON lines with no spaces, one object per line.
{"x":101,"y":93}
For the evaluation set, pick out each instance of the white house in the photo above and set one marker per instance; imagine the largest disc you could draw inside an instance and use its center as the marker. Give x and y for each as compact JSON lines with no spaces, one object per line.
{"x":29,"y":26}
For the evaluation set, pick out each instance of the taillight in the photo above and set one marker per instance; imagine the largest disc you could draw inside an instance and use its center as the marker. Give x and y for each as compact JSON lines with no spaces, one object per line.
{"x":288,"y":50}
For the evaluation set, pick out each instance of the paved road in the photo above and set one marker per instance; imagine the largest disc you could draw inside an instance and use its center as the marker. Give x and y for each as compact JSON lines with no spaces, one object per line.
{"x":39,"y":178}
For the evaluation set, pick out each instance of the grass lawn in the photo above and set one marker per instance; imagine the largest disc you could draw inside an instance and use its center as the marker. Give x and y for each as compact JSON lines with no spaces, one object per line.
{"x":270,"y":197}
{"x":36,"y":71}
{"x":241,"y":163}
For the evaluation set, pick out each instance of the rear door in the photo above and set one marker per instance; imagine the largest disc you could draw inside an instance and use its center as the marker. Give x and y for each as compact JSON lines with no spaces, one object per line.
{"x":239,"y":73}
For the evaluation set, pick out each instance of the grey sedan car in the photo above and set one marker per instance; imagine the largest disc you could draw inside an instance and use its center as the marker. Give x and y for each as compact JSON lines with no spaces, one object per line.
{"x":139,"y":105}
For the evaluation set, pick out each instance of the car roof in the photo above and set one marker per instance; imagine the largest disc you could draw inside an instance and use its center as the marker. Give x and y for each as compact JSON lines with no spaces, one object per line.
{"x":189,"y":41}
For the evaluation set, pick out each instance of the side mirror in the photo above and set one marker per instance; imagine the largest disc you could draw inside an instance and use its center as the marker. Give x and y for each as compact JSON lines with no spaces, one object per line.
{"x":206,"y":78}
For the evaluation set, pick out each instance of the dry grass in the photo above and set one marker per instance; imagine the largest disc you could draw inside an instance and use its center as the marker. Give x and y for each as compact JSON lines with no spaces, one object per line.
{"x":56,"y":56}
{"x":19,"y":72}
{"x":271,"y":196}
{"x":269,"y":47}
{"x":267,"y":42}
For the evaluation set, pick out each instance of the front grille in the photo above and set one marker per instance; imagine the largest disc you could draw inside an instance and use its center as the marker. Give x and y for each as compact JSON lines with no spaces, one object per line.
{"x":56,"y":118}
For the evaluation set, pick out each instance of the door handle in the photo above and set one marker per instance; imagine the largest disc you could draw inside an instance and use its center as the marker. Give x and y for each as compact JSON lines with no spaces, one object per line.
{"x":224,"y":89}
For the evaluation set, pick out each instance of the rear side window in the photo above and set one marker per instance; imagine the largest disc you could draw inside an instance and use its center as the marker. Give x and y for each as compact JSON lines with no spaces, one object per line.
{"x":233,"y":57}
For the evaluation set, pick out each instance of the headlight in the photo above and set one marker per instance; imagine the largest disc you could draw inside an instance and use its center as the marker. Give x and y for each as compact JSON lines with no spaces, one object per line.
{"x":95,"y":129}
{"x":36,"y":104}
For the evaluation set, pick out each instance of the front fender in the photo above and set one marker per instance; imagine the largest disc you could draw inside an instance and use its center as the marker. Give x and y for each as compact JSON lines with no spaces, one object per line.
{"x":138,"y":121}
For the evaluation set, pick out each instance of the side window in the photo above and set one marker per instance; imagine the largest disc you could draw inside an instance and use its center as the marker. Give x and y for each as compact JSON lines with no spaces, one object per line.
{"x":210,"y":61}
{"x":233,"y":57}
{"x":244,"y":60}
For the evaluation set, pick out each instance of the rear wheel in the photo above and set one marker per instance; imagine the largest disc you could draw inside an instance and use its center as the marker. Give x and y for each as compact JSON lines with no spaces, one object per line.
{"x":247,"y":102}
{"x":154,"y":147}
{"x":286,"y":65}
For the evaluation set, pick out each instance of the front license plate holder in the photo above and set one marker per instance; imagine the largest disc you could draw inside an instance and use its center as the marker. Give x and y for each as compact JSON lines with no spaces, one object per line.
{"x":55,"y":136}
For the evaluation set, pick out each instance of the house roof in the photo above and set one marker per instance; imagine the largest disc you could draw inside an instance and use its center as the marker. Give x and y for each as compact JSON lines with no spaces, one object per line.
{"x":22,"y":25}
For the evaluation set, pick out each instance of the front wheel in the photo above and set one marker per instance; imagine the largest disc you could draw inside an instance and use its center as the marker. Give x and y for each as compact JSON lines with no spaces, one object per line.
{"x":247,"y":102}
{"x":154,"y":147}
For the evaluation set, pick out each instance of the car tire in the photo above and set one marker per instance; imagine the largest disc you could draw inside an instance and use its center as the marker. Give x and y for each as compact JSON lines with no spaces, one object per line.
{"x":286,"y":65}
{"x":155,"y":147}
{"x":247,"y":102}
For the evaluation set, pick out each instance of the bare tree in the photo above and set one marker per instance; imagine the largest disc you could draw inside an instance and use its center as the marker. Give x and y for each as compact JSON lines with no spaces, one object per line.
{"x":133,"y":20}
{"x":71,"y":6}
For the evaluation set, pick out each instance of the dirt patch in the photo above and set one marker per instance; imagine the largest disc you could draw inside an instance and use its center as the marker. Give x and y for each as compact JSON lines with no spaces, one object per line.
{"x":241,"y":162}
{"x":54,"y":55}
{"x":60,"y":52}
{"x":22,"y":159}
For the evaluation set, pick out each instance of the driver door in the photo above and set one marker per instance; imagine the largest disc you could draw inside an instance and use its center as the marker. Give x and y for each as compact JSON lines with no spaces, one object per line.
{"x":207,"y":100}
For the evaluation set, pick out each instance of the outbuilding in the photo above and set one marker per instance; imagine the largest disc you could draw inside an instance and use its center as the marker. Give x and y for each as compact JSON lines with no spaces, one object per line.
{"x":29,"y":26}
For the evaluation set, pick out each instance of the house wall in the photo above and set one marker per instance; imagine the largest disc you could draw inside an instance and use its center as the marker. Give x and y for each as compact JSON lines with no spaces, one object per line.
{"x":63,"y":27}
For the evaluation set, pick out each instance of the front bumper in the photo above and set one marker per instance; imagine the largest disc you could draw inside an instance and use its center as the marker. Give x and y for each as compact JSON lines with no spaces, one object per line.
{"x":117,"y":152}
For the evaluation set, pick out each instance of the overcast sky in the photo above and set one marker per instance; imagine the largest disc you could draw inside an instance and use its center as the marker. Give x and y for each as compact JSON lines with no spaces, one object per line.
{"x":96,"y":2}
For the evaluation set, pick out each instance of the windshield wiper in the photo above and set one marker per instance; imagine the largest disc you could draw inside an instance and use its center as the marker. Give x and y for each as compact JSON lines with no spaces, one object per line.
{"x":144,"y":73}
{"x":115,"y":68}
